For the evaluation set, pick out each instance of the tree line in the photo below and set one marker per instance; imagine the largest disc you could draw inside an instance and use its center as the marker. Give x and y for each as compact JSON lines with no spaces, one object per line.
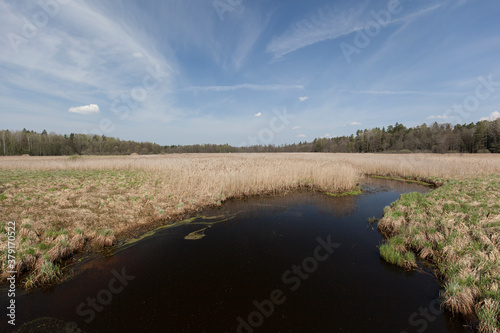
{"x":480,"y":137}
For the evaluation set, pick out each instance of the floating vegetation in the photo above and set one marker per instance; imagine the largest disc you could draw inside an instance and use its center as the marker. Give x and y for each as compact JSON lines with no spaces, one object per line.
{"x":195,"y":220}
{"x":356,"y":191}
{"x":198,"y":234}
{"x":403,"y":180}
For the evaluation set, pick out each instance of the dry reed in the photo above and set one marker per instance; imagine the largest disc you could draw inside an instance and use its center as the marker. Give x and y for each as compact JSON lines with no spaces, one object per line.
{"x":61,"y":203}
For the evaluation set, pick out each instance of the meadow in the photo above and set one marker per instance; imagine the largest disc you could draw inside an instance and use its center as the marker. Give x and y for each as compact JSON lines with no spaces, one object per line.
{"x":62,"y":205}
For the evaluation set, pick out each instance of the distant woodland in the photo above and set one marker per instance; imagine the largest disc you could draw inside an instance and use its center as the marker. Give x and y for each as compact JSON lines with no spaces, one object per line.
{"x":481,"y":137}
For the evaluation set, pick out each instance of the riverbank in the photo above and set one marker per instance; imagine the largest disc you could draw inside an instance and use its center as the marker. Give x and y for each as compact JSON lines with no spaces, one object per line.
{"x":63,"y":205}
{"x":457,"y":228}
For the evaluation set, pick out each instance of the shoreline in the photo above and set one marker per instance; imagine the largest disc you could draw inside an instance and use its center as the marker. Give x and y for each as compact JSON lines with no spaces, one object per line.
{"x":459,"y":237}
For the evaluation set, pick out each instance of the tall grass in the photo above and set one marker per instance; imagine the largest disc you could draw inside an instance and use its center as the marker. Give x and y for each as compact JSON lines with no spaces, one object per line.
{"x":60,"y":204}
{"x":404,"y":165}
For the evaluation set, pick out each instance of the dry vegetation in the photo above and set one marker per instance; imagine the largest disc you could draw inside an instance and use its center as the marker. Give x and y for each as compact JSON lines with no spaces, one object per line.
{"x":63,"y":204}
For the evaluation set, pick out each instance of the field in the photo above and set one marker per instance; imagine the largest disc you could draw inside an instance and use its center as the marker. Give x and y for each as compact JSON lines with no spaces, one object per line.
{"x":65,"y":204}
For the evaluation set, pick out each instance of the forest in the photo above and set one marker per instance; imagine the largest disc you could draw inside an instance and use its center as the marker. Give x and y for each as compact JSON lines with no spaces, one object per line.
{"x":480,"y":137}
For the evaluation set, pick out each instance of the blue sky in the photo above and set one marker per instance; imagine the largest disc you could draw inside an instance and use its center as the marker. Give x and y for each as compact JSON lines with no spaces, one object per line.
{"x":245,"y":72}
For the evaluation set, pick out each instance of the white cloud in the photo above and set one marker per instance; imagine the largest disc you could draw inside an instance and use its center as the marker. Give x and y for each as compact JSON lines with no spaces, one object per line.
{"x":354,"y":123}
{"x":138,"y":55}
{"x":304,"y":98}
{"x":438,"y":117}
{"x":302,"y":135}
{"x":258,"y":114}
{"x":85,"y":109}
{"x":295,"y":127}
{"x":493,"y":116}
{"x":327,"y":135}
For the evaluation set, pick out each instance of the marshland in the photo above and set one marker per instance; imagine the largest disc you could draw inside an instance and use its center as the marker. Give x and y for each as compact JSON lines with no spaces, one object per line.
{"x":250,"y":166}
{"x":64,"y":206}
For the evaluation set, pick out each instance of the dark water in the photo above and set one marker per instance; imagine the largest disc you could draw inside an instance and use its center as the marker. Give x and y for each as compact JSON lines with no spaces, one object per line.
{"x":300,"y":263}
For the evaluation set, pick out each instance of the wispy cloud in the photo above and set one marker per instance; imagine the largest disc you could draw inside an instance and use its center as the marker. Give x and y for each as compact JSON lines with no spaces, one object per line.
{"x":295,"y":127}
{"x":410,"y":18}
{"x":328,"y":24}
{"x":302,"y":136}
{"x":87,"y":60}
{"x":354,"y":123}
{"x":258,"y":114}
{"x":304,"y":98}
{"x":249,"y":86}
{"x":405,"y":21}
{"x":461,"y":3}
{"x":324,"y":25}
{"x":395,"y":92}
{"x":249,"y":31}
{"x":85,"y":109}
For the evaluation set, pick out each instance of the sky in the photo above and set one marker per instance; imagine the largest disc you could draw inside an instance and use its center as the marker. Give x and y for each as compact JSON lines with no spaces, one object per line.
{"x":245,"y":72}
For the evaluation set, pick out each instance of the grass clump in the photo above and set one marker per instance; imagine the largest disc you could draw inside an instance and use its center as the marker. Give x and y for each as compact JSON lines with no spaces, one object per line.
{"x":47,"y":272}
{"x":395,"y":253}
{"x":105,"y":237}
{"x":488,"y":314}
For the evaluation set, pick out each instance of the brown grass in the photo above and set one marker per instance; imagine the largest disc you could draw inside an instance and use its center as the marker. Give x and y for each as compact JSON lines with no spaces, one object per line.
{"x":60,"y":204}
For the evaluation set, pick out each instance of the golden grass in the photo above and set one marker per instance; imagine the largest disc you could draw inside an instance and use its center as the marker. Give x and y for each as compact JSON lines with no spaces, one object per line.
{"x":62,"y":204}
{"x":452,"y":166}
